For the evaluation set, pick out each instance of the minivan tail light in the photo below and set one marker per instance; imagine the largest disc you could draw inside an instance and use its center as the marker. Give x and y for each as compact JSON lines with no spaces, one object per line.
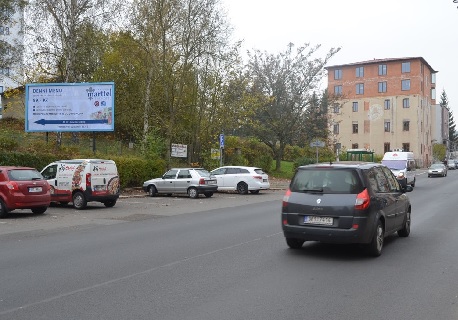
{"x":257,"y":177}
{"x":88,"y":180}
{"x":286,"y":198}
{"x":362,"y":200}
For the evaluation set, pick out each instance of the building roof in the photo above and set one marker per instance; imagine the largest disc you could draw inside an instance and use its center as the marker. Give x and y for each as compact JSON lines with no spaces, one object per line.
{"x":381,"y":61}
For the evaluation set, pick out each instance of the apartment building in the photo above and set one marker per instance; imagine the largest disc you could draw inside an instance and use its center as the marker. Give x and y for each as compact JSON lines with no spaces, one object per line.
{"x":384,"y":105}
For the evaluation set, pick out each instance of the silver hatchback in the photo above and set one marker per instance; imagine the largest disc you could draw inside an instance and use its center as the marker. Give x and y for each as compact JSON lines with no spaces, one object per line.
{"x":191,"y":181}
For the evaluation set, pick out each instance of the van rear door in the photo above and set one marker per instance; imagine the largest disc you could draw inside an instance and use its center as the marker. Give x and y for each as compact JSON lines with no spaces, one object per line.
{"x":104,"y":177}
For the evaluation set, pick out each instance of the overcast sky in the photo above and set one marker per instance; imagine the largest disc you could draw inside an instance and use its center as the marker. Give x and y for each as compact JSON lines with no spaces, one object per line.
{"x":364,"y":29}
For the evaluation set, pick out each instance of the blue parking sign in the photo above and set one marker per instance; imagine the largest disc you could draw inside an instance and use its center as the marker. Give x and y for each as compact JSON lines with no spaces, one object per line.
{"x":221,"y":141}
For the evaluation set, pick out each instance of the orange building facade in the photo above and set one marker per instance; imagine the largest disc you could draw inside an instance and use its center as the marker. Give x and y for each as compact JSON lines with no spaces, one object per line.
{"x":384,"y":105}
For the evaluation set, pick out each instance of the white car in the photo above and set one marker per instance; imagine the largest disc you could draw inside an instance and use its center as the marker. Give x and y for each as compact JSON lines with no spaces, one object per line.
{"x":241,"y":179}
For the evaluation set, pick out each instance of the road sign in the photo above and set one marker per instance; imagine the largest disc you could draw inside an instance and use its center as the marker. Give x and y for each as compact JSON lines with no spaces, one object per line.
{"x":317,"y":143}
{"x":221,"y":141}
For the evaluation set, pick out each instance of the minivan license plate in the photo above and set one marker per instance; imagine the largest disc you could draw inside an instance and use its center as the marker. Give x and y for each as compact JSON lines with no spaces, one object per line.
{"x":318,"y":220}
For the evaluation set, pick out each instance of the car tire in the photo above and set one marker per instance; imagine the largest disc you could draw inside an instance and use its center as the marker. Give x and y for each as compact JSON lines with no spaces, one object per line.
{"x":79,"y":200}
{"x":294,"y":243}
{"x":429,"y":176}
{"x":192,"y":193}
{"x":374,"y":248}
{"x":242,"y":188}
{"x":208,"y":194}
{"x":413,"y":183}
{"x":152,"y":191}
{"x":39,"y":210}
{"x":254,"y":191}
{"x":3,"y":210}
{"x":110,"y":203}
{"x":405,"y":231}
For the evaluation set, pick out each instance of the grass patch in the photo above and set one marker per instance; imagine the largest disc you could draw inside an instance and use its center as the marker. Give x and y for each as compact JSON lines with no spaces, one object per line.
{"x":286,"y":171}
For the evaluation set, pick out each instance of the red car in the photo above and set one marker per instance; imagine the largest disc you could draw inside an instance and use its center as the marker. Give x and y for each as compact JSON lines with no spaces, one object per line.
{"x":23,"y":188}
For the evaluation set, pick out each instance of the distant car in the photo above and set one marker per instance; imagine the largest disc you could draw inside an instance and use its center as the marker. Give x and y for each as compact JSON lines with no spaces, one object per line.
{"x":345,"y":202}
{"x":23,"y":188}
{"x":437,"y":170}
{"x":241,"y":179}
{"x":451,"y":164}
{"x":191,"y":181}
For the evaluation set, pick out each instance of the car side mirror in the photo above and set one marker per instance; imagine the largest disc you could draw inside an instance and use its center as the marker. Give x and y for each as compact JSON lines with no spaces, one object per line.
{"x":407,"y":188}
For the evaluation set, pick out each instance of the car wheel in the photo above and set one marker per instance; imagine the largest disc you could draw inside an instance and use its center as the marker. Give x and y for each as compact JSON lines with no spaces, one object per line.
{"x":242,"y":188}
{"x":152,"y":191}
{"x":405,"y":231}
{"x":413,"y":183}
{"x":375,"y":247}
{"x":192,"y":193}
{"x":3,"y":210}
{"x":39,"y":210}
{"x":79,"y":200}
{"x":208,"y":194}
{"x":429,"y":176}
{"x":254,"y":191}
{"x":110,"y":203}
{"x":294,"y":243}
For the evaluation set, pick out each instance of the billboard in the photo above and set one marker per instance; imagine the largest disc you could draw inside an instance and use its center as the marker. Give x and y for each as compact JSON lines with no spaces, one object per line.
{"x":69,"y":107}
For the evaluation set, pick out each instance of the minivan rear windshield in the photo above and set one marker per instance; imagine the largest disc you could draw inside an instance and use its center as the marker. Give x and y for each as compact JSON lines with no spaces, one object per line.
{"x":326,"y":181}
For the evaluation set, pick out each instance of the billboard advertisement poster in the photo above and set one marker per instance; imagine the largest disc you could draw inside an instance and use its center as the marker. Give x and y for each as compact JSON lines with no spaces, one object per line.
{"x":69,"y":107}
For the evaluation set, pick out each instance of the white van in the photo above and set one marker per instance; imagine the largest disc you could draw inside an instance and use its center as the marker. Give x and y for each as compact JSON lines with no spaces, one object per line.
{"x":403,"y":165}
{"x":82,"y":180}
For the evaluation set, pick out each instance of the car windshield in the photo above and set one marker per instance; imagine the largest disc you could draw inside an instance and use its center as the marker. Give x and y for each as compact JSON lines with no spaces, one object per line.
{"x":24,"y":175}
{"x":437,"y":166}
{"x":326,"y":181}
{"x":395,"y":164}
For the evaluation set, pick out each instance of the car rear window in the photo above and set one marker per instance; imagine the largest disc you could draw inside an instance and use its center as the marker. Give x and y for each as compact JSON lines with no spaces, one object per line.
{"x":259,"y":171}
{"x":326,"y":180}
{"x":203,"y":173}
{"x":24,"y":175}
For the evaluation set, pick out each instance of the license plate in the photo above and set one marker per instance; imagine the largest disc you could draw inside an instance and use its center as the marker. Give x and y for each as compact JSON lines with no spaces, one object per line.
{"x":264,"y":180}
{"x":211,"y":182}
{"x":35,"y":189}
{"x":327,"y":221}
{"x":99,"y":188}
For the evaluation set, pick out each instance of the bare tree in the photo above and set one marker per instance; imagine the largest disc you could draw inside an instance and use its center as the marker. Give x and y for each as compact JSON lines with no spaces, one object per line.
{"x":285,"y":84}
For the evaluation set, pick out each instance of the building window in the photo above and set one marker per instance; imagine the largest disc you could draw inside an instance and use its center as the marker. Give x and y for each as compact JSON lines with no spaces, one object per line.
{"x":405,"y":125}
{"x":405,"y":67}
{"x":405,"y":103}
{"x":355,"y":126}
{"x":338,"y":90}
{"x":382,"y":86}
{"x":386,"y":147}
{"x":406,"y":147}
{"x":433,"y":78}
{"x":360,"y":88}
{"x":359,"y":72}
{"x":387,"y":125}
{"x":382,"y":69}
{"x":335,"y":108}
{"x":335,"y":129}
{"x":405,"y":84}
{"x":337,"y":74}
{"x":355,"y":106}
{"x":387,"y":104}
{"x":354,"y":146}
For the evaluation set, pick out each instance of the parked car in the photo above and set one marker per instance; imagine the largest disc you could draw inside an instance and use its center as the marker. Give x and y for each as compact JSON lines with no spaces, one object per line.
{"x":241,"y":179}
{"x":23,"y":188}
{"x":345,"y":202}
{"x":437,"y":170}
{"x":191,"y":181}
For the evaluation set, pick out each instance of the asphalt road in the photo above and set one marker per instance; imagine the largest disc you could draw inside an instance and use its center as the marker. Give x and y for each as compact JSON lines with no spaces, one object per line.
{"x":223,"y":258}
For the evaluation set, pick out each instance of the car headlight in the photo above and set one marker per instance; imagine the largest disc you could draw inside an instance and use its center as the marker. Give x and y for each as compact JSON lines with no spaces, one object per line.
{"x":401,"y":175}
